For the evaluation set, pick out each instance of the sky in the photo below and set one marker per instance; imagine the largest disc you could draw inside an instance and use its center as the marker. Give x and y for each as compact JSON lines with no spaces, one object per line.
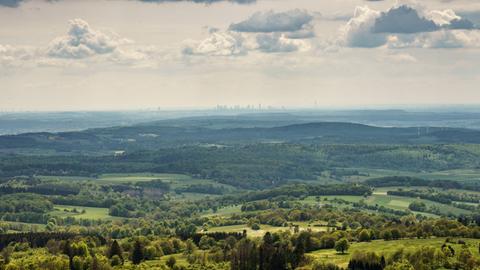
{"x":142,"y":54}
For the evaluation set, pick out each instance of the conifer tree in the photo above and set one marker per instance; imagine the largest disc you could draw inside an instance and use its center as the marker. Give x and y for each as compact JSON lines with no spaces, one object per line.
{"x":137,"y":255}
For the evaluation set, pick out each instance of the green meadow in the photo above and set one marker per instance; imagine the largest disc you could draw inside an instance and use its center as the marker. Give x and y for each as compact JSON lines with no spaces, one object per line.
{"x":386,"y":248}
{"x":81,"y":212}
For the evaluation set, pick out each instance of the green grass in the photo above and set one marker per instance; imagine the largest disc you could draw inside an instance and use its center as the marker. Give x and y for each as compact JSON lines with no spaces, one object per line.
{"x":380,"y":198}
{"x":31,"y":226}
{"x":384,"y":190}
{"x":224,"y":211}
{"x":366,"y":173}
{"x":188,"y":196}
{"x":90,"y":212}
{"x":267,"y":228}
{"x":455,"y":175}
{"x":115,"y":178}
{"x":66,"y":178}
{"x":348,"y":198}
{"x":175,"y":180}
{"x":181,"y":260}
{"x":140,"y":177}
{"x":402,"y":203}
{"x":386,"y":248}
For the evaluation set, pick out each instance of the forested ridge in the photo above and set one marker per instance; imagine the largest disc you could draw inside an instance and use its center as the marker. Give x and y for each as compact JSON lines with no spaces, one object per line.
{"x":145,"y":136}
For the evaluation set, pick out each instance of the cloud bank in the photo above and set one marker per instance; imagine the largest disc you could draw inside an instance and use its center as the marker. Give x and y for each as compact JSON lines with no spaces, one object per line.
{"x":270,"y":21}
{"x":403,"y":20}
{"x":16,"y":3}
{"x":201,"y":1}
{"x":82,"y":41}
{"x":217,"y":44}
{"x":10,"y":3}
{"x":404,"y":26}
{"x":11,"y":56}
{"x":267,"y":32}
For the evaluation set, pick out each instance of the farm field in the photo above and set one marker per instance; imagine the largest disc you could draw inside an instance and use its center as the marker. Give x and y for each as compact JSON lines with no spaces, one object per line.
{"x":267,"y":228}
{"x":175,"y":180}
{"x":140,"y":177}
{"x":384,"y":190}
{"x":224,"y":211}
{"x":393,"y":202}
{"x":95,"y":213}
{"x":456,"y":174}
{"x":34,"y":227}
{"x":386,"y":248}
{"x":191,"y":196}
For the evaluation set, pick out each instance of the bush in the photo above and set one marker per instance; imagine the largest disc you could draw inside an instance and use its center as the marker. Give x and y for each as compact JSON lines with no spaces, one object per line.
{"x":115,"y":260}
{"x":255,"y":227}
{"x":325,"y":266}
{"x":342,"y":245}
{"x":171,"y":262}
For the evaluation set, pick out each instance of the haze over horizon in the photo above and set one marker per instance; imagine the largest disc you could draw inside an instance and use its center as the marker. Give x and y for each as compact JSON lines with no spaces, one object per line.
{"x":125,"y":55}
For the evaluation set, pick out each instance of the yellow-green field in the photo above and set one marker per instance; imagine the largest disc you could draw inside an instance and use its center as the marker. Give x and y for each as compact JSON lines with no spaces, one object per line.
{"x":90,"y":212}
{"x":224,"y":211}
{"x":175,"y":180}
{"x":386,"y":248}
{"x":34,"y":227}
{"x":455,"y":175}
{"x":267,"y":228}
{"x":380,"y":198}
{"x":140,"y":177}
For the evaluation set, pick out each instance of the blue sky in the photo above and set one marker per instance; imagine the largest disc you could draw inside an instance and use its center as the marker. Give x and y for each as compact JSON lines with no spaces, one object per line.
{"x":131,"y":54}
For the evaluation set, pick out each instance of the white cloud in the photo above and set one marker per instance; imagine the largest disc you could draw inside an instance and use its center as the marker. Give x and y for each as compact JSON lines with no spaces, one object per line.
{"x":217,"y":44}
{"x":230,"y":43}
{"x":403,"y":26}
{"x":16,"y":3}
{"x":267,"y":32}
{"x":10,"y":3}
{"x":270,"y":21}
{"x":442,"y":17}
{"x":201,"y":1}
{"x":436,"y":40}
{"x":11,"y":56}
{"x":80,"y":47}
{"x":82,"y":41}
{"x":398,"y":57}
{"x":306,"y":32}
{"x":403,"y":19}
{"x":358,"y":30}
{"x":276,"y":42}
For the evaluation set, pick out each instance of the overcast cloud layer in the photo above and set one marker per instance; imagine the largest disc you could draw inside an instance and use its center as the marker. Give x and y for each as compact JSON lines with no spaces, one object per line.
{"x":150,"y":53}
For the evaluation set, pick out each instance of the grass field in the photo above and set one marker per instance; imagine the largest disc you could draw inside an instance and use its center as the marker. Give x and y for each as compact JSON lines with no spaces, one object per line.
{"x":384,"y":190}
{"x":90,"y":212}
{"x":176,"y":180}
{"x":267,"y":228}
{"x":455,"y":175}
{"x":386,"y":248}
{"x":34,"y":227}
{"x":140,"y":177}
{"x":121,"y":177}
{"x":224,"y":211}
{"x":380,"y":198}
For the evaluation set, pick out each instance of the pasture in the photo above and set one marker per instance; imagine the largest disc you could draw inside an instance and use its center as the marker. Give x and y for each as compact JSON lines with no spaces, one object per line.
{"x":386,"y":248}
{"x":175,"y":180}
{"x":81,"y":212}
{"x":268,"y":228}
{"x":380,"y":198}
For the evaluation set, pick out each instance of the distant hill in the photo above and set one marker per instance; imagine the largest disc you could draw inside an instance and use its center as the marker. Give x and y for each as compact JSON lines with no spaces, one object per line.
{"x":24,"y":122}
{"x":154,"y":136}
